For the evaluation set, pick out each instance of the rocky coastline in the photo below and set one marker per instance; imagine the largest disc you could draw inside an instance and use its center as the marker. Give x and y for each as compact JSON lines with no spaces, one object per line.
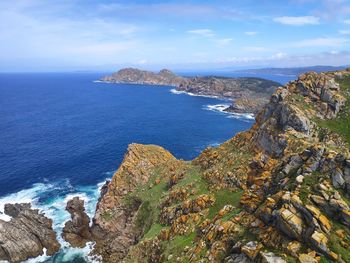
{"x":279,"y":192}
{"x":249,"y":95}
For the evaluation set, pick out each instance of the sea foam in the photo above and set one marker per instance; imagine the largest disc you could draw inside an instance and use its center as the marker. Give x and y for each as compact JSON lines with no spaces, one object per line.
{"x":51,"y":200}
{"x":232,"y":115}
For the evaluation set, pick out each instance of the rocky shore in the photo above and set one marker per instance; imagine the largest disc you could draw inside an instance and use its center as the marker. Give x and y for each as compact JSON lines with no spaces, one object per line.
{"x":27,"y":235}
{"x":279,"y":192}
{"x":249,"y":94}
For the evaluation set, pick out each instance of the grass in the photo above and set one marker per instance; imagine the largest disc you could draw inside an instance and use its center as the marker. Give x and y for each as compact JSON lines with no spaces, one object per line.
{"x":341,"y":124}
{"x":335,"y":244}
{"x":224,"y":197}
{"x":193,"y":176}
{"x":154,"y":230}
{"x":177,"y":245}
{"x":308,"y":183}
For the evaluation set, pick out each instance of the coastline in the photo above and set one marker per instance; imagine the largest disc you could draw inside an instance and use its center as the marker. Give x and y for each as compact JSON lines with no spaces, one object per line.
{"x":217,"y":108}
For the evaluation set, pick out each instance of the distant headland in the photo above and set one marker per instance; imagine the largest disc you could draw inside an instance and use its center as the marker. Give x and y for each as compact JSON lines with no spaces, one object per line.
{"x":249,"y":94}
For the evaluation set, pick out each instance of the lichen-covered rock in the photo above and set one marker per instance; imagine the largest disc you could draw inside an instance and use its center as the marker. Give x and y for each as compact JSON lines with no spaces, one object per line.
{"x":294,"y":181}
{"x":270,"y":257}
{"x":26,"y":235}
{"x":113,"y":224}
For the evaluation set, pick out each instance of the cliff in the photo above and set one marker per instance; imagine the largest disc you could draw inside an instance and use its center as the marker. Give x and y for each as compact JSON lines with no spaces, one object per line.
{"x":276,"y":193}
{"x":250,"y":93}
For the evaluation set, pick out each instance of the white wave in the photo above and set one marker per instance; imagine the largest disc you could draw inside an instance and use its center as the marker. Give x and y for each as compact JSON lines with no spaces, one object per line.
{"x":23,"y":196}
{"x":54,"y":208}
{"x":217,"y":107}
{"x":248,"y":116}
{"x":178,"y":92}
{"x":232,"y":115}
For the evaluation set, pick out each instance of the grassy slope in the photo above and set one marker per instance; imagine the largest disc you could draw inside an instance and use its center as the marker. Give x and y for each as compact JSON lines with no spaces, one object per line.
{"x":341,"y":124}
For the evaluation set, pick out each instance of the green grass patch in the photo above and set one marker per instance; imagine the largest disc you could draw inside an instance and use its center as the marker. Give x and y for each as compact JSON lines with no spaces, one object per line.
{"x":341,"y":124}
{"x":193,"y":176}
{"x":176,"y":246}
{"x":335,"y":241}
{"x":154,"y":230}
{"x":224,"y":197}
{"x":308,"y":182}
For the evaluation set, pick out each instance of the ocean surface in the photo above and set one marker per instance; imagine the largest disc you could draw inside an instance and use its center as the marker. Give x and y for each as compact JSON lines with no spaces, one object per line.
{"x":62,"y":135}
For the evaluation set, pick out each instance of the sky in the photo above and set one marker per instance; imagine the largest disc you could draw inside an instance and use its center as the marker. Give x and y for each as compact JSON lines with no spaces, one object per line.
{"x":105,"y":35}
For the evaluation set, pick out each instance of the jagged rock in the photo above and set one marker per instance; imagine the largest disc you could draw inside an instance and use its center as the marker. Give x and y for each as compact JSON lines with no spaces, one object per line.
{"x":251,"y":249}
{"x":293,"y":248}
{"x":238,"y":258}
{"x":289,"y":221}
{"x":77,"y":230}
{"x":26,"y":235}
{"x":320,"y":241}
{"x":338,"y":179}
{"x":309,"y":258}
{"x":269,"y":257}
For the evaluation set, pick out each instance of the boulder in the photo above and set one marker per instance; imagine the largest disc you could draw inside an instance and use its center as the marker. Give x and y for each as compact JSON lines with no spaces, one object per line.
{"x":77,"y":230}
{"x":26,"y":235}
{"x":251,"y":249}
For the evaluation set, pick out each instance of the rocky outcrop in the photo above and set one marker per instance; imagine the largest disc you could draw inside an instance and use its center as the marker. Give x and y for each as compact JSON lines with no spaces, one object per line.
{"x":114,"y":221}
{"x":249,"y":94}
{"x":27,"y":235}
{"x":276,"y":193}
{"x":77,"y":230}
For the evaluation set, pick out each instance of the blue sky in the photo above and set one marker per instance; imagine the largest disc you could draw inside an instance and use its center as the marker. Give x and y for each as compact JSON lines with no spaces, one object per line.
{"x":52,"y":35}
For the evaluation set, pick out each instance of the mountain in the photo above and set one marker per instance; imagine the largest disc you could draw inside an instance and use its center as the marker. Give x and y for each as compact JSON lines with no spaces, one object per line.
{"x":250,"y":94}
{"x":278,"y":192}
{"x":290,"y":71}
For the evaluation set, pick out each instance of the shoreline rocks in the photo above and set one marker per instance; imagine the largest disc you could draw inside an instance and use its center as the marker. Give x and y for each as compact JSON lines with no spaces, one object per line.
{"x":26,"y":235}
{"x":77,"y":230}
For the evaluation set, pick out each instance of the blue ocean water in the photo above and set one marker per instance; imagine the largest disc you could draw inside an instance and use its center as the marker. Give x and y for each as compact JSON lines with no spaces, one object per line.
{"x":61,"y":134}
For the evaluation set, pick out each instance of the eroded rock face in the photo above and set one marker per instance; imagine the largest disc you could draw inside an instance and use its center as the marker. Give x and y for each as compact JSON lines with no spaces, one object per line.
{"x":77,"y":230}
{"x":26,"y":235}
{"x":113,"y":223}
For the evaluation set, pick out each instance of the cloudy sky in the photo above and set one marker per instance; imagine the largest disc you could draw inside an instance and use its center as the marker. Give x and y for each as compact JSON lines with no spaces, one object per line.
{"x":56,"y":35}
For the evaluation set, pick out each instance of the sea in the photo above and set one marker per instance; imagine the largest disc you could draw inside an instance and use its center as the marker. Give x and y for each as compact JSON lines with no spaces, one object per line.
{"x":65,"y":134}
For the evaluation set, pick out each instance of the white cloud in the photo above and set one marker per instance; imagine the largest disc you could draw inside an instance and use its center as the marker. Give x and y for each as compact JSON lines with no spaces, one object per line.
{"x":223,"y":41}
{"x":297,"y":20}
{"x":344,"y":32}
{"x":347,"y":21}
{"x":278,"y":55}
{"x":251,"y":33}
{"x":321,"y":42}
{"x":202,"y":32}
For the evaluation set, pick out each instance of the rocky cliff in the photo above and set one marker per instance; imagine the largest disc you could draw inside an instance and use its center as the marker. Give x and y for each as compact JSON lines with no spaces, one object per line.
{"x":279,"y":192}
{"x":251,"y":94}
{"x":276,"y":193}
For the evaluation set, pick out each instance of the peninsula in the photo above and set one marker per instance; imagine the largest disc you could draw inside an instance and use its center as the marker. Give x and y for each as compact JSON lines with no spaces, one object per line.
{"x":249,"y":95}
